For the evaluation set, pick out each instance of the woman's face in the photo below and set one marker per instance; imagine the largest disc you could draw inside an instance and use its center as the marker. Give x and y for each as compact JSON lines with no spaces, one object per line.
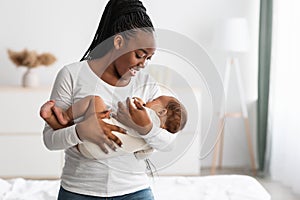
{"x":128,"y":64}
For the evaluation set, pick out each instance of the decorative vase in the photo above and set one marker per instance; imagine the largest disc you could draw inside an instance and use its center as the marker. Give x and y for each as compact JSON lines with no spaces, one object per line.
{"x":30,"y":78}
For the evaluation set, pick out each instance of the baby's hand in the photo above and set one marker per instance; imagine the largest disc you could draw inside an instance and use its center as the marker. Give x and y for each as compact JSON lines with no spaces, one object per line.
{"x":137,"y":100}
{"x":136,"y":118}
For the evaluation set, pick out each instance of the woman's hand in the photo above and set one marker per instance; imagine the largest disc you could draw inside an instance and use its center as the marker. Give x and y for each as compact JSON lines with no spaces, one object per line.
{"x":95,"y":130}
{"x":136,"y":118}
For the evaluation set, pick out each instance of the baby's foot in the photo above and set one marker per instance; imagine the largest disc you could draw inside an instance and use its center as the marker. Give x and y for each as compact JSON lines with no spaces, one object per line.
{"x":61,"y":116}
{"x":46,"y":110}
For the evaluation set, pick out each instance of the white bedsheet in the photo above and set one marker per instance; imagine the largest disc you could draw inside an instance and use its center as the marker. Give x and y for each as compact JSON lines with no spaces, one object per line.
{"x":221,"y":187}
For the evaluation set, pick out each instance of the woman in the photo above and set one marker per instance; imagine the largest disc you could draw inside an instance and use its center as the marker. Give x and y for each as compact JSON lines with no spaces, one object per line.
{"x":110,"y":68}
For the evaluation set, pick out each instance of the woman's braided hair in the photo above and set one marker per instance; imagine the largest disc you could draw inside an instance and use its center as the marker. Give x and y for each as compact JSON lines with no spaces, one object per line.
{"x":119,"y":16}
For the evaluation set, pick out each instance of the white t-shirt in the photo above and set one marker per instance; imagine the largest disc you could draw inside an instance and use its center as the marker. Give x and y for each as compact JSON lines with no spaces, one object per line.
{"x":112,"y":176}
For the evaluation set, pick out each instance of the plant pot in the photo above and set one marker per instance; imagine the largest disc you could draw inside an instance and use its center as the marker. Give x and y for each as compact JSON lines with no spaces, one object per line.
{"x":30,"y":78}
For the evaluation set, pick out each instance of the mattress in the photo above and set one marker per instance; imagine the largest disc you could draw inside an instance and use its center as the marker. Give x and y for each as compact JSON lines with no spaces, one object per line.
{"x":219,"y":187}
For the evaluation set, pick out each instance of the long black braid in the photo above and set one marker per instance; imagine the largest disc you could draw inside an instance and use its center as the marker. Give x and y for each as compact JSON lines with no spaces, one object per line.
{"x":118,"y":16}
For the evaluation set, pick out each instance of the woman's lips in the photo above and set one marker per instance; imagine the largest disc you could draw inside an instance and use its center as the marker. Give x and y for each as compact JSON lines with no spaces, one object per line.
{"x":133,"y":71}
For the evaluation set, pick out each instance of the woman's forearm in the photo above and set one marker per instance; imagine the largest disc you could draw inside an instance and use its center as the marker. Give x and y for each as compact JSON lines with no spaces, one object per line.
{"x":62,"y":94}
{"x":60,"y":139}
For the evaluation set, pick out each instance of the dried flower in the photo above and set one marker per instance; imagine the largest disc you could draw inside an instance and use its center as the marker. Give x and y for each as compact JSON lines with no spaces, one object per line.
{"x":30,"y":59}
{"x":46,"y":59}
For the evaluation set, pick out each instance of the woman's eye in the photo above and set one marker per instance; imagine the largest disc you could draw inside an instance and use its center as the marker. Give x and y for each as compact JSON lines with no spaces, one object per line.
{"x":138,"y":56}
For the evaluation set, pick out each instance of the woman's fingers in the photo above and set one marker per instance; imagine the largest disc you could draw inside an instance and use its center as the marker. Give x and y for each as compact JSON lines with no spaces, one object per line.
{"x":113,"y":115}
{"x":102,"y":147}
{"x":130,"y":106}
{"x":123,"y":115}
{"x":110,"y":144}
{"x":110,"y":127}
{"x":111,"y":136}
{"x":122,"y":111}
{"x":114,"y":138}
{"x":116,"y":128}
{"x":104,"y":139}
{"x":107,"y":130}
{"x":121,"y":107}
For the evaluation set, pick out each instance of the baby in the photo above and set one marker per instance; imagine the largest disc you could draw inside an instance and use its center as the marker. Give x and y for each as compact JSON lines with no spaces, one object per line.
{"x":165,"y":111}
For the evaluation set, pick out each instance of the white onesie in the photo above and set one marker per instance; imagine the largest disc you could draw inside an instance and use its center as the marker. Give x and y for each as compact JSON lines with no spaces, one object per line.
{"x":131,"y":142}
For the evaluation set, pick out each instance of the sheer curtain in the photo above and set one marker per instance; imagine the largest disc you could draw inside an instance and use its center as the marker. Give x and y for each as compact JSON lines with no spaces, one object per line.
{"x":284,"y":107}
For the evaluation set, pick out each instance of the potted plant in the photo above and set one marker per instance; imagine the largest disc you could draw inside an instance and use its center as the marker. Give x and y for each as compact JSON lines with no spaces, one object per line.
{"x":30,"y":60}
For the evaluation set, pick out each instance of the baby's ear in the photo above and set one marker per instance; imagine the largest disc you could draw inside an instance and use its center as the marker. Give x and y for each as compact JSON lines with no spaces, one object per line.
{"x":162,"y":112}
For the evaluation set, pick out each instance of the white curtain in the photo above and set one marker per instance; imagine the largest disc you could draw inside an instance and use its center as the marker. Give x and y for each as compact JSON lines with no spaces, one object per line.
{"x":284,"y":108}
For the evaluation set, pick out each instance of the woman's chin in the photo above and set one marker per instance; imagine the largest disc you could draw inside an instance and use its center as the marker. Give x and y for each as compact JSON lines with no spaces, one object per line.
{"x":129,"y":74}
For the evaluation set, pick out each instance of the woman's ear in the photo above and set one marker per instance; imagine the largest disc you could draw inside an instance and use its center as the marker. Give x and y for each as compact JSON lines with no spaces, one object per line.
{"x":118,"y":41}
{"x":162,"y":112}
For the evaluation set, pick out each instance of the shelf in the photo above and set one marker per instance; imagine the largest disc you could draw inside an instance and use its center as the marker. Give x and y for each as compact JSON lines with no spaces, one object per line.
{"x":14,"y":88}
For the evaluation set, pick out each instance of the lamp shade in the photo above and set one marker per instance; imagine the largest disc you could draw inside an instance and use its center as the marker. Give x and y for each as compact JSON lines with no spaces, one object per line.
{"x":234,"y":35}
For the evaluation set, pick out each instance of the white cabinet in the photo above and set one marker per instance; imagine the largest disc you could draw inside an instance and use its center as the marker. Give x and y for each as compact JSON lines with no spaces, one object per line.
{"x":22,"y":152}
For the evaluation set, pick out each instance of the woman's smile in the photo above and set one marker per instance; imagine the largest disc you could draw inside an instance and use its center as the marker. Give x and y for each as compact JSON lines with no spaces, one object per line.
{"x":134,"y":70}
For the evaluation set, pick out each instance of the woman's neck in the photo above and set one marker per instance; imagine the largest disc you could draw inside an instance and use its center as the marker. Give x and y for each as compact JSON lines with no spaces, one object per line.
{"x":105,"y":70}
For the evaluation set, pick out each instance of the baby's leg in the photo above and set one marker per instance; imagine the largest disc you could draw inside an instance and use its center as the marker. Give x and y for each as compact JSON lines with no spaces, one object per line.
{"x":98,"y":106}
{"x":84,"y":107}
{"x":47,"y":114}
{"x":76,"y":110}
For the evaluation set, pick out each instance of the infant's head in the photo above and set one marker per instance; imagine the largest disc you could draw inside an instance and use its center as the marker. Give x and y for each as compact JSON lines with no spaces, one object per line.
{"x":172,"y":113}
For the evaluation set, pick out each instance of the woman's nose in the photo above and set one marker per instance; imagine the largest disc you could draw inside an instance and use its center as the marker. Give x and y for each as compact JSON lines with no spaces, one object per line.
{"x":143,"y":63}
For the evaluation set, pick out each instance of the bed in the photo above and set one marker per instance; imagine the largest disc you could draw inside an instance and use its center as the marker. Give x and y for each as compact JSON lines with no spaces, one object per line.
{"x":219,"y":187}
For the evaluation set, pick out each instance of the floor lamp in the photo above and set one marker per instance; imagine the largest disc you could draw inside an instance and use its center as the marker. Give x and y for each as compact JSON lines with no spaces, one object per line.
{"x":234,"y":38}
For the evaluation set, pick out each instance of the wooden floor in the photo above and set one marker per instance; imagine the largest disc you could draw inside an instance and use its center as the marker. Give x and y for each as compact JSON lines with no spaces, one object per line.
{"x":275,"y":189}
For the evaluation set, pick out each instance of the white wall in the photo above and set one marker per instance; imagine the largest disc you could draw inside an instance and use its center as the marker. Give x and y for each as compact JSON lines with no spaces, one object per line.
{"x":65,"y":28}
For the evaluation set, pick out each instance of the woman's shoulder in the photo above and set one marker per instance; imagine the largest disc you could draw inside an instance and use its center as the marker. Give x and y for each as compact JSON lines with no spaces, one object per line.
{"x":72,"y":68}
